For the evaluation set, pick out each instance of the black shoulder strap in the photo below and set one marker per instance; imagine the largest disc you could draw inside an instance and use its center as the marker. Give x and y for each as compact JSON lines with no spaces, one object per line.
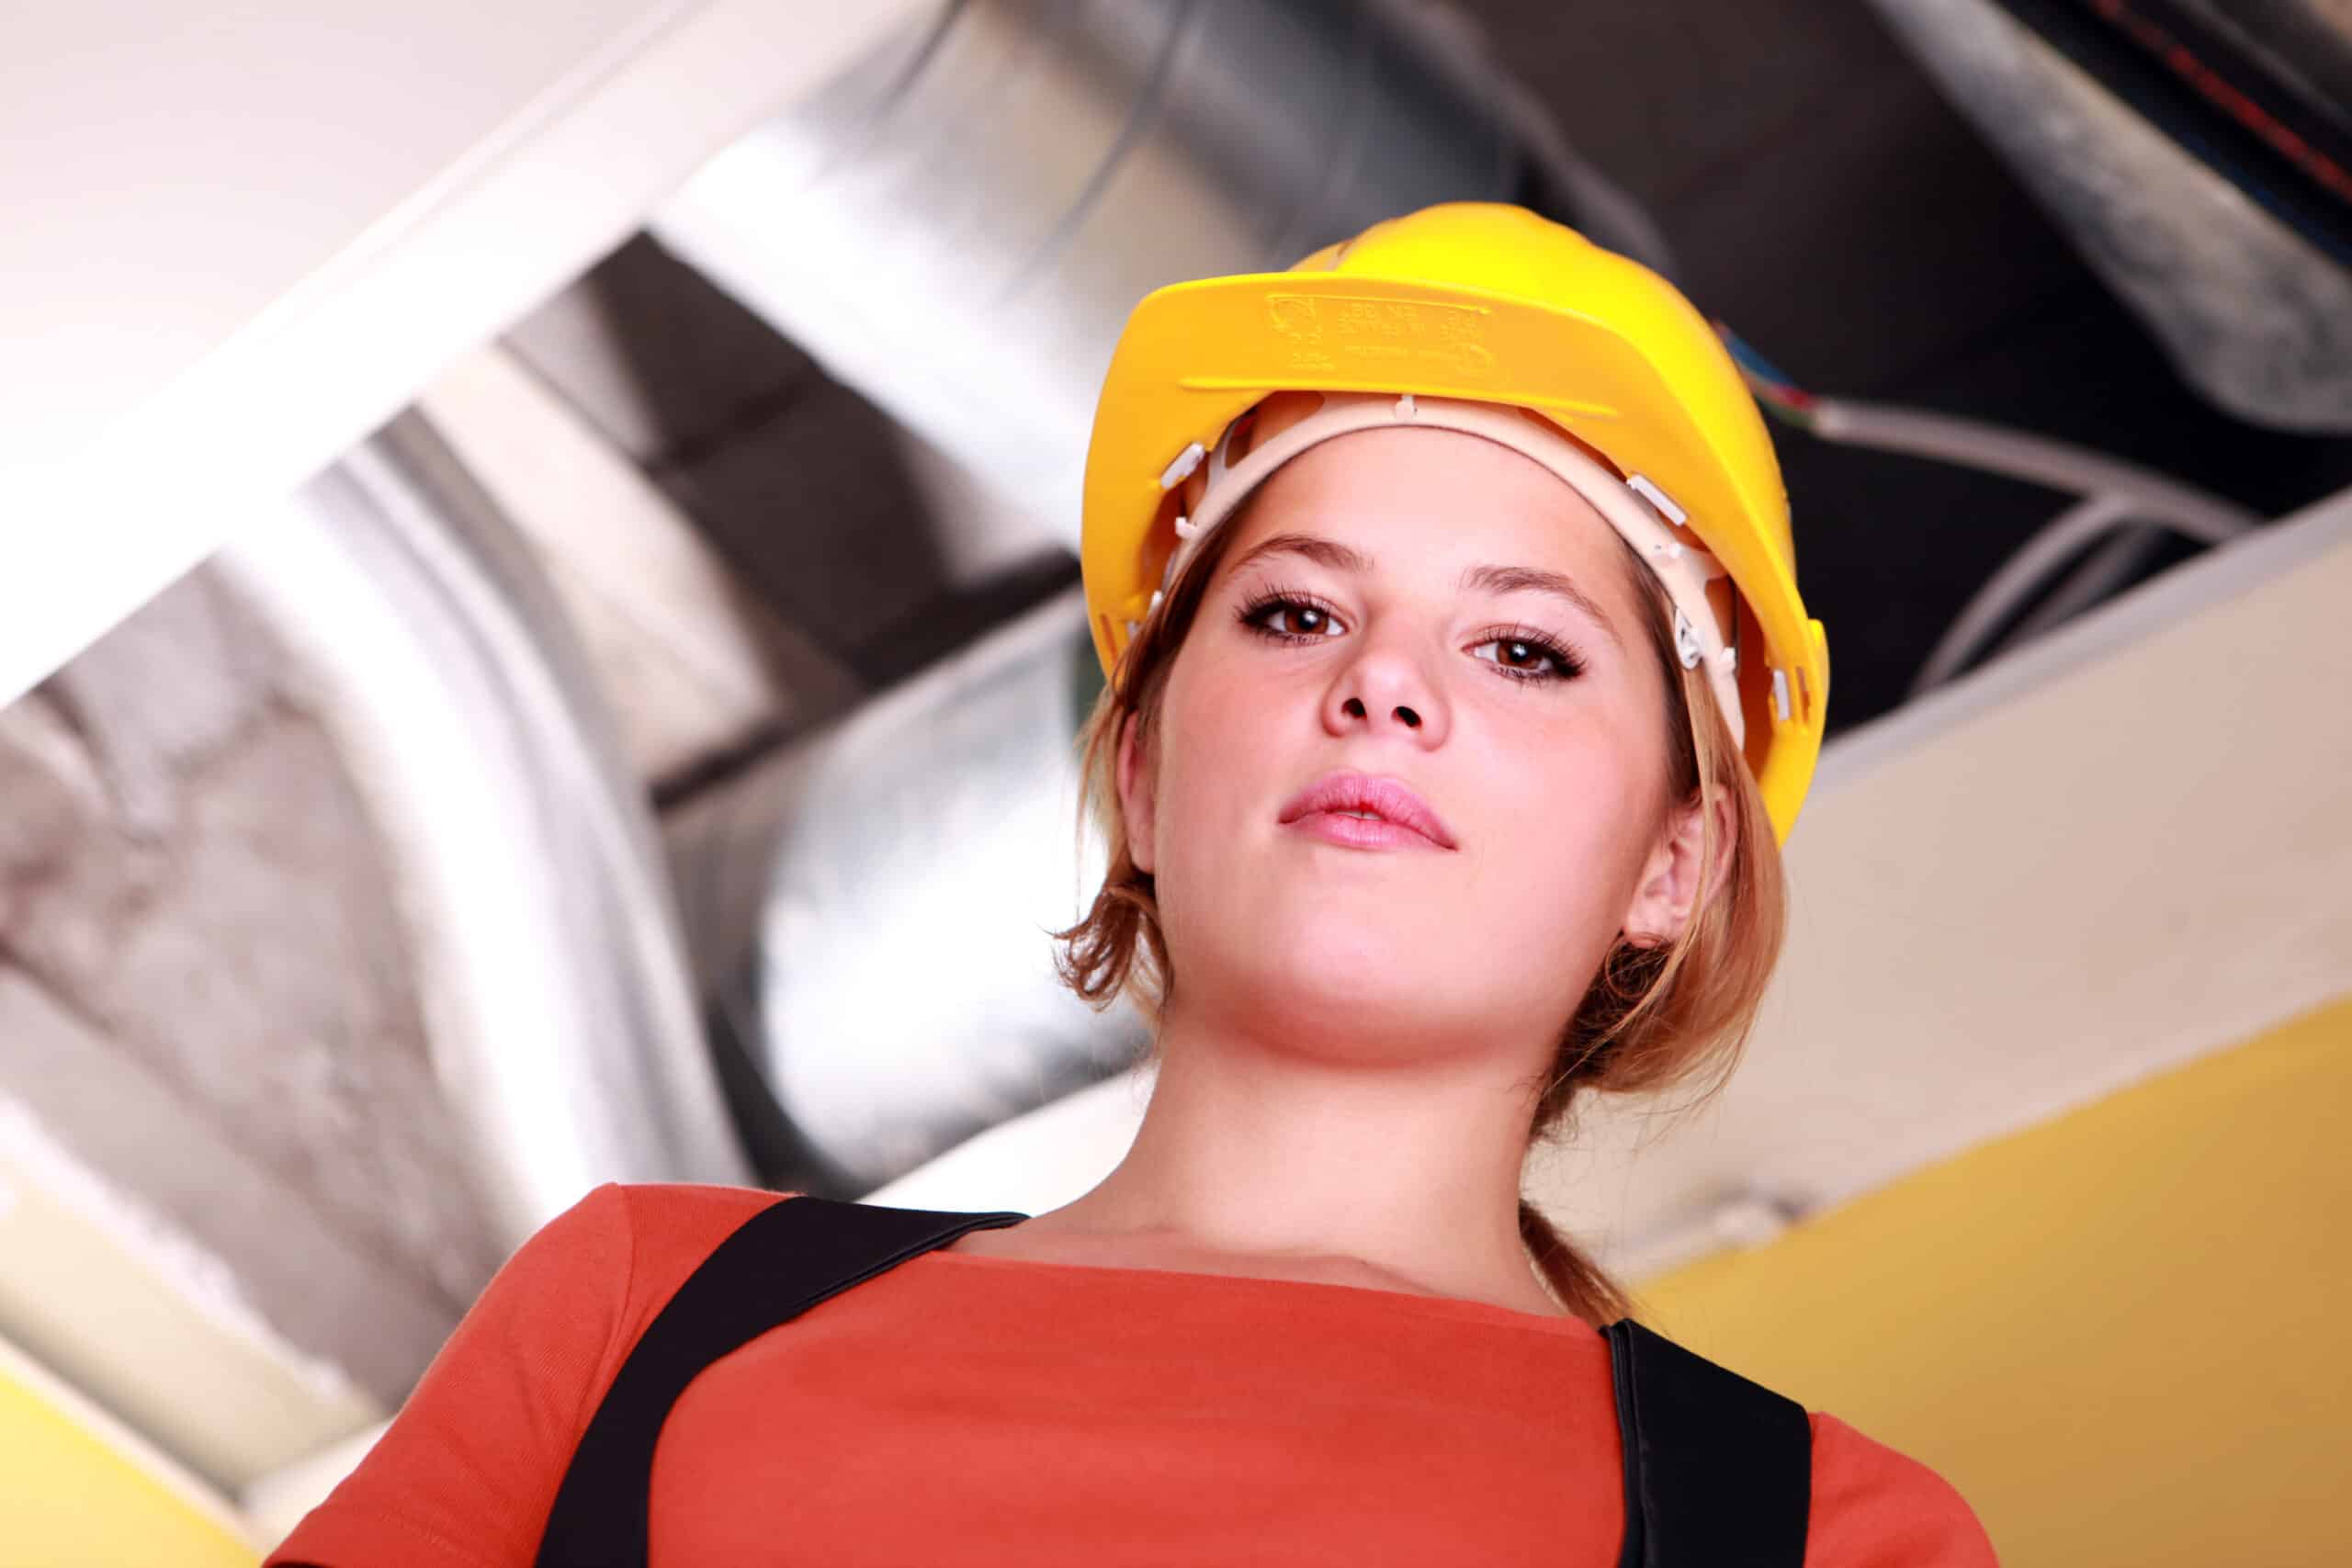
{"x":777,"y":1264}
{"x":1718,"y":1470}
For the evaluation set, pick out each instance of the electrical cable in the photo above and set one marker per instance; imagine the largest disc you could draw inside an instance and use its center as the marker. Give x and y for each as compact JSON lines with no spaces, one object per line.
{"x":2114,"y":492}
{"x":2101,"y":574}
{"x":2056,"y":465}
{"x":2058,"y":541}
{"x":2271,"y":147}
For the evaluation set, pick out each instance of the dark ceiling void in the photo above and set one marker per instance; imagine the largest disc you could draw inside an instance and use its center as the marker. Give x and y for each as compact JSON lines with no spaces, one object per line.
{"x":1824,"y":200}
{"x":1819,"y":196}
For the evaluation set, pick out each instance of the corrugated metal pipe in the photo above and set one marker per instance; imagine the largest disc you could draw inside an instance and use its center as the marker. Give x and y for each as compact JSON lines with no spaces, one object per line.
{"x":2253,"y":313}
{"x":958,"y":228}
{"x":552,"y":974}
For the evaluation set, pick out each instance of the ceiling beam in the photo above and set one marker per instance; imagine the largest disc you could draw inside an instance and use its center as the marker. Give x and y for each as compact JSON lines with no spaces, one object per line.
{"x":237,"y":269}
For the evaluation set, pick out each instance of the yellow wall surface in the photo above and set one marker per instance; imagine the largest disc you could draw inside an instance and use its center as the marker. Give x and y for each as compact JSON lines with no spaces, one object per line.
{"x":2125,"y":1334}
{"x":77,"y":1491}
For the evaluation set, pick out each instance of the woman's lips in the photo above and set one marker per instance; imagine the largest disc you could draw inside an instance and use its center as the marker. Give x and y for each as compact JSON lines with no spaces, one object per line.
{"x":1366,"y":812}
{"x":1359,"y":832}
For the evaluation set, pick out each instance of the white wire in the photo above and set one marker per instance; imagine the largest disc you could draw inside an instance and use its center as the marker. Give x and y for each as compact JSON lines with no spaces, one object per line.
{"x":2057,"y":543}
{"x":2153,"y":497}
{"x":2101,"y":573}
{"x":2114,"y":492}
{"x":2023,"y":573}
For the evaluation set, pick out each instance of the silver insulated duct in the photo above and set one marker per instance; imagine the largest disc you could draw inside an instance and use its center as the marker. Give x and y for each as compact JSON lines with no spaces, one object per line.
{"x":873,"y":905}
{"x":959,"y":226}
{"x":958,"y":229}
{"x":2253,"y":313}
{"x":552,"y":974}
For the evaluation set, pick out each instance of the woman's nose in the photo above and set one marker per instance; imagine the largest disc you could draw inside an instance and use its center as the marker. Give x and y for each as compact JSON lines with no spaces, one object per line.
{"x":1385,"y":693}
{"x":1409,"y":717}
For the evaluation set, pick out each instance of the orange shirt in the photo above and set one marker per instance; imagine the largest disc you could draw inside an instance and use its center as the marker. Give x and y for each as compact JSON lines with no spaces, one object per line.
{"x":974,"y":1410}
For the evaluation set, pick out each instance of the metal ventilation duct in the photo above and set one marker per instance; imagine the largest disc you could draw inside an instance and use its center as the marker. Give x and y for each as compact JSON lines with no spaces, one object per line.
{"x":2254,"y":314}
{"x":958,"y":228}
{"x":555,"y":986}
{"x":877,"y":898}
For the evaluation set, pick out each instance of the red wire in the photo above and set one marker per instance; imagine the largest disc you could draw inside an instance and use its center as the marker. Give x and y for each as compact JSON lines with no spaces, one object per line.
{"x":2219,"y":91}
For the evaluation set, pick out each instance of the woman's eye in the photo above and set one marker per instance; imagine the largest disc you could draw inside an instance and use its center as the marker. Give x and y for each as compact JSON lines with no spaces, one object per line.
{"x":1296,"y":618}
{"x":1528,"y":657}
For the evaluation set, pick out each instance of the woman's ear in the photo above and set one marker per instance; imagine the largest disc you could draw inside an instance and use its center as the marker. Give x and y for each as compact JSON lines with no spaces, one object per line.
{"x":1669,"y":885}
{"x":1135,"y":792}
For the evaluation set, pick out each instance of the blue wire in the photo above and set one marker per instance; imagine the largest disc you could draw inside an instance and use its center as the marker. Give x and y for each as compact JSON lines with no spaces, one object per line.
{"x":1745,"y":354}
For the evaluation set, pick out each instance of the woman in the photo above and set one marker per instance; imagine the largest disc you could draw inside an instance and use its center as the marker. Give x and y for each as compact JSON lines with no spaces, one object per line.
{"x":1461,"y":692}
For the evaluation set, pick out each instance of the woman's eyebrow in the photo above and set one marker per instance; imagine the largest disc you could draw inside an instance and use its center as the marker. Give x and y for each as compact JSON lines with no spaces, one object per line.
{"x":1490,"y":579}
{"x":1321,"y":552}
{"x":1528,"y":579}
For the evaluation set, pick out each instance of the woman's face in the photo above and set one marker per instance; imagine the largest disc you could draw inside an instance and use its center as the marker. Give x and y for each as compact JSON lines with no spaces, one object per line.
{"x":1432,"y":613}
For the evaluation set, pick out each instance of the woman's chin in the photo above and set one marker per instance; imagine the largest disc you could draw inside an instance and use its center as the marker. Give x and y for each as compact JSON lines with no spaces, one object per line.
{"x":1328,"y":941}
{"x":1348,"y":979}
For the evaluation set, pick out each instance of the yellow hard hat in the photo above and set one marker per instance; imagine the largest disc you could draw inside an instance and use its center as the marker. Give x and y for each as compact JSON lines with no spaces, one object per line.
{"x":1475,"y":303}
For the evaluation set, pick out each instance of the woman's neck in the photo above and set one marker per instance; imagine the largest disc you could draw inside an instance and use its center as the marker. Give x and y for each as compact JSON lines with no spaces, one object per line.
{"x":1256,"y":1158}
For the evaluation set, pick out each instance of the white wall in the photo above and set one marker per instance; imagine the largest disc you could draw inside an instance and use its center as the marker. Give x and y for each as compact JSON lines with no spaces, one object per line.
{"x":238,"y":238}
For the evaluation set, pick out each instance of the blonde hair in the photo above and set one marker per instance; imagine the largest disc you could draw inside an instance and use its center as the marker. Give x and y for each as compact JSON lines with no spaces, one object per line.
{"x":1655,"y":1015}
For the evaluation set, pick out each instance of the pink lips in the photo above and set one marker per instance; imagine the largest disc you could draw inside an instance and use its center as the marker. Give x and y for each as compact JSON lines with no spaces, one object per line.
{"x":1398,"y":819}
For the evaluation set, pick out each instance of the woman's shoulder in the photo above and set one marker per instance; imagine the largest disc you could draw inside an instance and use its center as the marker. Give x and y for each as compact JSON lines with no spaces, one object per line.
{"x":1873,"y":1505}
{"x":611,"y":1261}
{"x":652,"y":1234}
{"x":478,"y":1449}
{"x":699,"y":1204}
{"x":691,"y":1210}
